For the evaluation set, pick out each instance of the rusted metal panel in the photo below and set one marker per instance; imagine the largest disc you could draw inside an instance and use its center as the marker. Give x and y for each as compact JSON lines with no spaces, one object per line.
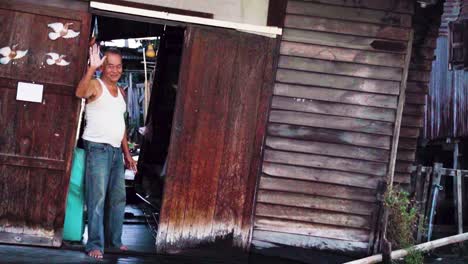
{"x":447,"y":100}
{"x":225,"y":87}
{"x":37,"y":139}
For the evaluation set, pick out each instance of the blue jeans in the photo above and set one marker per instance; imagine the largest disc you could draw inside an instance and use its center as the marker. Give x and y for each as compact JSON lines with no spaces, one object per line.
{"x":105,"y":195}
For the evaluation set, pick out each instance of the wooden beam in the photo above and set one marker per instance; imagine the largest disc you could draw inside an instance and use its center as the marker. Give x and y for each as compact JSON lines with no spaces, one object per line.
{"x":421,"y":247}
{"x":158,"y":8}
{"x":401,"y":103}
{"x":271,"y":32}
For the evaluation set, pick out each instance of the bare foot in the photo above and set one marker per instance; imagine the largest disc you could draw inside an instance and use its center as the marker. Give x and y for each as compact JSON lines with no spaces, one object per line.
{"x":95,"y":253}
{"x":123,"y":248}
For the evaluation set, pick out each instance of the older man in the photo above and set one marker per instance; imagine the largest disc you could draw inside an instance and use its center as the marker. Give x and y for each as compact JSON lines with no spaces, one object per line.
{"x":105,"y":142}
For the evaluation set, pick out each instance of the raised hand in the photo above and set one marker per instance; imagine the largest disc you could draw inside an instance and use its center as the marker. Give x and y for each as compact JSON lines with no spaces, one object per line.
{"x":94,"y":60}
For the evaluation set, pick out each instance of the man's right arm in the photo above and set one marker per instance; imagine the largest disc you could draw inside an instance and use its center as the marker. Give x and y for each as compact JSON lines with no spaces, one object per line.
{"x":87,"y":87}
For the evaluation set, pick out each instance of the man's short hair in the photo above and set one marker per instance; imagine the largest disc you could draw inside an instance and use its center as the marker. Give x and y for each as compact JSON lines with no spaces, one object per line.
{"x":113,"y":50}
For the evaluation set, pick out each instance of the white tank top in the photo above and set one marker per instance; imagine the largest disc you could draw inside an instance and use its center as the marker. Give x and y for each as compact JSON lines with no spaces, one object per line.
{"x":105,"y":121}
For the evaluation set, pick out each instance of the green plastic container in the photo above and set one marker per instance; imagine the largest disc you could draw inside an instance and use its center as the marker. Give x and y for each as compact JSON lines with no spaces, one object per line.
{"x":74,"y":220}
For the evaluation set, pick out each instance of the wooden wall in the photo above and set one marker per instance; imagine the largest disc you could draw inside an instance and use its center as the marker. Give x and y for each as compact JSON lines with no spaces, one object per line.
{"x":331,"y":123}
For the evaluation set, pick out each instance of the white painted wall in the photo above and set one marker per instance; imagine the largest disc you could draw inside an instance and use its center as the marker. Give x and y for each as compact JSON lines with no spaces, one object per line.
{"x":253,"y":12}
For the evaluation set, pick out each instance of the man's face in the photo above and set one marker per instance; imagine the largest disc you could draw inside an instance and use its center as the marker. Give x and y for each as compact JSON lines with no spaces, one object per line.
{"x":112,"y":67}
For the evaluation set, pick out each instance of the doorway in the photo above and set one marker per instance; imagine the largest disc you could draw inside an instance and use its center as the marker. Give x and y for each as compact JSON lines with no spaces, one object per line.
{"x":151,"y":55}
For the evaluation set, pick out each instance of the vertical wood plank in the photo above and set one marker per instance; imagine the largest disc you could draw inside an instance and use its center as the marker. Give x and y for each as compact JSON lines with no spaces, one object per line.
{"x":179,"y":161}
{"x":459,"y":208}
{"x":211,"y":180}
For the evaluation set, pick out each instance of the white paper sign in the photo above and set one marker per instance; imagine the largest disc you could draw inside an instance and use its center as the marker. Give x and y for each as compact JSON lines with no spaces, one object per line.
{"x":29,"y":92}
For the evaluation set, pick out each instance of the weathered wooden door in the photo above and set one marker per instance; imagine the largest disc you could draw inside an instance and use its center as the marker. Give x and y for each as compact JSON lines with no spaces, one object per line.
{"x":225,"y":86}
{"x":37,"y":138}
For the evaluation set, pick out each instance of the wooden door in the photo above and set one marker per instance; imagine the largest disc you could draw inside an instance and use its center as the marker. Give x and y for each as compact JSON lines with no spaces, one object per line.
{"x":37,"y":139}
{"x":225,"y":85}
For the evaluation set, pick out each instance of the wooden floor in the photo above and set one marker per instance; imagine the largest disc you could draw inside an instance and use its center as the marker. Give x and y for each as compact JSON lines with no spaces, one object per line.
{"x":138,"y":237}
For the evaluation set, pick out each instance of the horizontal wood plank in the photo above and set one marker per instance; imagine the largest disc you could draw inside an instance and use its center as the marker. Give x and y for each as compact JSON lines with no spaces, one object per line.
{"x":413,"y":109}
{"x":340,"y":68}
{"x":318,"y":203}
{"x":406,"y":155}
{"x":333,"y":122}
{"x":403,"y":166}
{"x":409,"y":132}
{"x":329,"y":135}
{"x":407,"y":143}
{"x":412,"y":121}
{"x":399,"y":6}
{"x":40,"y":163}
{"x":328,"y":149}
{"x":419,"y":76}
{"x":319,"y":161}
{"x":310,"y":229}
{"x":348,"y":13}
{"x":341,"y":54}
{"x":402,"y":178}
{"x":312,"y":216}
{"x":277,"y":239}
{"x":335,"y":95}
{"x":415,"y":98}
{"x":320,"y":175}
{"x":317,"y":189}
{"x":417,"y":87}
{"x":337,"y":81}
{"x":346,"y":27}
{"x":342,"y":41}
{"x":331,"y":108}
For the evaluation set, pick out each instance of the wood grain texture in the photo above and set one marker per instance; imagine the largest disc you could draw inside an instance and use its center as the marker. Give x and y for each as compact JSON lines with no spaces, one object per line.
{"x":398,"y":6}
{"x":336,"y":81}
{"x":312,"y":216}
{"x":340,"y":68}
{"x":335,"y":95}
{"x":37,"y":139}
{"x":341,"y":54}
{"x":317,"y":189}
{"x":319,"y":161}
{"x":329,"y":108}
{"x":213,"y":149}
{"x":333,"y":122}
{"x":314,"y":202}
{"x":272,"y":239}
{"x":303,"y":228}
{"x":327,"y":149}
{"x":341,"y":71}
{"x":320,"y":175}
{"x":343,"y":41}
{"x":329,"y":135}
{"x":346,"y":27}
{"x":340,"y":12}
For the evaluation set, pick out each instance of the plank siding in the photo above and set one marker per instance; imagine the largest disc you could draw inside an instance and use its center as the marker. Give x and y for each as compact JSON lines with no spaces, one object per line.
{"x":331,"y":123}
